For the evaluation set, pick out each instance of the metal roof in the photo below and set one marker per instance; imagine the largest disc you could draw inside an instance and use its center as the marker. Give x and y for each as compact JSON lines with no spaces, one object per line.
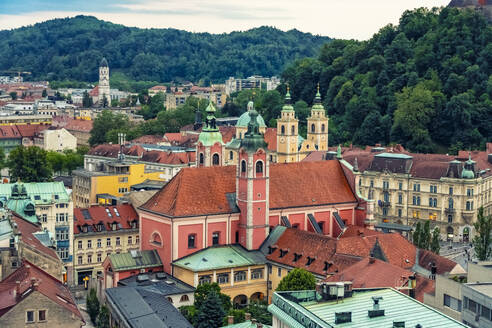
{"x":246,"y":324}
{"x":160,"y":282}
{"x":135,"y":260}
{"x":393,"y":155}
{"x":397,"y":307}
{"x":220,"y":257}
{"x":40,"y":192}
{"x":393,"y":226}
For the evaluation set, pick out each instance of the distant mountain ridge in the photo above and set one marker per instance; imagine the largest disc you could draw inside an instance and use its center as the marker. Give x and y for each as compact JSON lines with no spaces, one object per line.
{"x":71,"y":48}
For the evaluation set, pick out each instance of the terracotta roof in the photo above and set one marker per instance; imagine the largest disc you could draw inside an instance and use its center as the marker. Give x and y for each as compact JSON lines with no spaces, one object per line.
{"x":9,"y":132}
{"x":228,"y":132}
{"x":79,"y":125}
{"x":397,"y":250}
{"x":356,"y":231}
{"x":105,"y":150}
{"x":177,"y":139}
{"x":308,"y":244}
{"x":27,"y":229}
{"x":169,"y":157}
{"x":372,"y":273}
{"x":33,"y":278}
{"x":29,"y":130}
{"x":443,"y":265}
{"x":270,"y":137}
{"x":149,"y":139}
{"x":159,"y":88}
{"x":94,"y":92}
{"x":123,"y":215}
{"x":291,"y":185}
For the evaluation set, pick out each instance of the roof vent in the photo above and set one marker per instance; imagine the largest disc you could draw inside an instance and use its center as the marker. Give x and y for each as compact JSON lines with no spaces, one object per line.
{"x":160,"y":275}
{"x":135,"y":253}
{"x":398,"y":324}
{"x":142,"y":278}
{"x":169,"y":282}
{"x":375,"y":312}
{"x":343,"y":317}
{"x":204,"y":260}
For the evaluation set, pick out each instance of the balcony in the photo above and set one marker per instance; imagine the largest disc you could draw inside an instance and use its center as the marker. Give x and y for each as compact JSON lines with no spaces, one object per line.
{"x":386,"y":204}
{"x":449,"y":210}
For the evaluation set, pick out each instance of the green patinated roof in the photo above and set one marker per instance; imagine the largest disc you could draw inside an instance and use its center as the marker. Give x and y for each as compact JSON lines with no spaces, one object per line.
{"x":253,"y":140}
{"x":134,"y":260}
{"x":288,"y":102}
{"x":244,"y":119}
{"x":5,"y":229}
{"x":246,"y":324}
{"x":234,"y":143}
{"x":318,"y":106}
{"x":45,"y":190}
{"x":24,"y":207}
{"x":467,"y":174}
{"x":300,"y":140}
{"x":220,"y":257}
{"x":392,"y":155}
{"x":397,"y":307}
{"x":210,"y":134}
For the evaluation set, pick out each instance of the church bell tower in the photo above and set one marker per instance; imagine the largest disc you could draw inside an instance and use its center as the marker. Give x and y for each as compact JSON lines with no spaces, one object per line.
{"x":104,"y":89}
{"x":317,"y":124}
{"x":287,"y":133}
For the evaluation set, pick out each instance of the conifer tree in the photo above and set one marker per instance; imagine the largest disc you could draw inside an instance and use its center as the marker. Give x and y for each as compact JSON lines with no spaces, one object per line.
{"x":92,"y":305}
{"x":425,"y":236}
{"x":482,"y":241}
{"x":416,"y":234}
{"x":435,"y":246}
{"x":211,"y":313}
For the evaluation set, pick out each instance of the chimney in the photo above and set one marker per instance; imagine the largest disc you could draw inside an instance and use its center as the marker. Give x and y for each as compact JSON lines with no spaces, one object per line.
{"x":433,"y":271}
{"x":398,"y":324}
{"x":372,"y":259}
{"x":489,"y":156}
{"x":247,"y":316}
{"x":230,"y":320}
{"x":343,"y":317}
{"x":412,"y":283}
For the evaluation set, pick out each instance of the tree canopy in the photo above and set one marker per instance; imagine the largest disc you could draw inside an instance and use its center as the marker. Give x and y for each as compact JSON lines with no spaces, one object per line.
{"x":29,"y":164}
{"x":72,"y":48}
{"x":297,"y":279}
{"x":425,"y":83}
{"x":482,"y":240}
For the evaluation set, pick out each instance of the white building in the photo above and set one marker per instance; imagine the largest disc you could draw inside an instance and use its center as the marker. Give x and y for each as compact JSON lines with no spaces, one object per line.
{"x":104,"y":89}
{"x":56,"y":140}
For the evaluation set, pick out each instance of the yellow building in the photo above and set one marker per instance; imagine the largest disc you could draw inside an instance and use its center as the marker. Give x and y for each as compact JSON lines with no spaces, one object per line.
{"x":109,"y":180}
{"x":98,"y":232}
{"x":287,"y":133}
{"x":240,"y":273}
{"x":317,"y":125}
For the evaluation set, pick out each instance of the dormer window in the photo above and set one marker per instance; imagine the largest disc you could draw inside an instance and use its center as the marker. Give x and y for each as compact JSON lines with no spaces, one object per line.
{"x":84,"y":228}
{"x":297,"y":257}
{"x":283,"y":252}
{"x":113,"y":226}
{"x":327,"y":266}
{"x":271,"y":249}
{"x":310,"y":260}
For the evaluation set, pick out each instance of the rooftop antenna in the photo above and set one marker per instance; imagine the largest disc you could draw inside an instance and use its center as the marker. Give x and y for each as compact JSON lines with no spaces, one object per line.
{"x":121,"y":141}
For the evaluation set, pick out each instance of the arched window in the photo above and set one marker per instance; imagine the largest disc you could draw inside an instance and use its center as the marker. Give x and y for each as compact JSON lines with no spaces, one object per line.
{"x":259,"y":167}
{"x":282,"y":129}
{"x":170,"y":300}
{"x":184,"y":298}
{"x":215,"y":159}
{"x":313,"y":127}
{"x":322,"y":128}
{"x":201,"y":158}
{"x":192,"y":240}
{"x":243,"y":166}
{"x":293,"y":130}
{"x":156,"y":239}
{"x":231,"y":155}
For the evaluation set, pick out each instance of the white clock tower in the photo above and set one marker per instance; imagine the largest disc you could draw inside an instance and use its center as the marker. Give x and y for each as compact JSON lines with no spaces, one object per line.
{"x":104,"y":90}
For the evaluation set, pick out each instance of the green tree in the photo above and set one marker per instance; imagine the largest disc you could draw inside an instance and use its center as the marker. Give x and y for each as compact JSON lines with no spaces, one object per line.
{"x":44,"y":94}
{"x":435,"y":246}
{"x":103,"y":317}
{"x":105,"y":102}
{"x":297,"y":279}
{"x":3,"y":162}
{"x":211,"y":313}
{"x":416,"y":234}
{"x":259,"y":311}
{"x":189,"y":312}
{"x":482,"y":241}
{"x":29,"y":164}
{"x":56,"y":161}
{"x":92,"y":305}
{"x":105,"y":122}
{"x":425,"y":236}
{"x":114,"y":102}
{"x":13,"y":95}
{"x":202,"y":292}
{"x":86,"y":100}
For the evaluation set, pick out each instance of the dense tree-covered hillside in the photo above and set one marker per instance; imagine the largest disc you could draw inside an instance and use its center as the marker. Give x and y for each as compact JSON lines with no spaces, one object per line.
{"x":72,"y":48}
{"x":425,"y":83}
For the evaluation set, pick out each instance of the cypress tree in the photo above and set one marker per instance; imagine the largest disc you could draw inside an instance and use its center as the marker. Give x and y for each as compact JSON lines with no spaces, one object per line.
{"x":435,"y":246}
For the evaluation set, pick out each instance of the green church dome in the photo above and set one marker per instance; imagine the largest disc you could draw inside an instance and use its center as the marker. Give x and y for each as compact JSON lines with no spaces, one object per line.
{"x":467,"y":174}
{"x":244,"y":119}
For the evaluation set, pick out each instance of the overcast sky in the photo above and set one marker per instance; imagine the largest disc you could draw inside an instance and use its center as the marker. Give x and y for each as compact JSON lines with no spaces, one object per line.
{"x":358,"y":19}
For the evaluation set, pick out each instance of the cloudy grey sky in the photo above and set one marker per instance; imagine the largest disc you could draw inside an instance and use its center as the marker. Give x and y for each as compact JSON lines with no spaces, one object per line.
{"x":358,"y":19}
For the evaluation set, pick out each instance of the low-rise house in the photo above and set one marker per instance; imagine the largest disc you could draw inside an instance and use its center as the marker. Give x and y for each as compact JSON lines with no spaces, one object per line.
{"x":240,"y":273}
{"x":338,"y":305}
{"x":98,"y":232}
{"x":30,"y":297}
{"x":55,"y":140}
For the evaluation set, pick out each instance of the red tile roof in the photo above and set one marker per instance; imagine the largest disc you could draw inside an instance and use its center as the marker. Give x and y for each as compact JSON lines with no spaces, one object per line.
{"x":228,"y":132}
{"x":177,"y":139}
{"x":373,"y":273}
{"x":270,"y":137}
{"x":29,"y":130}
{"x":291,"y":185}
{"x":397,"y":250}
{"x":123,"y":215}
{"x":443,"y":265}
{"x":169,"y":157}
{"x":31,"y":279}
{"x":159,"y":88}
{"x":149,"y":139}
{"x":79,"y":125}
{"x":356,"y":231}
{"x":308,"y":244}
{"x":94,"y":92}
{"x":27,"y":229}
{"x":9,"y":132}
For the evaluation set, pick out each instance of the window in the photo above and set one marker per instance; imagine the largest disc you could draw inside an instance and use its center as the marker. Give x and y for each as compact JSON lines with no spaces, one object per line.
{"x":137,"y":239}
{"x":122,"y":190}
{"x":385,"y":211}
{"x":416,"y":187}
{"x":118,"y":242}
{"x":42,"y":315}
{"x":184,"y":298}
{"x":257,"y":274}
{"x":450,"y":203}
{"x":215,"y":159}
{"x":400,"y":199}
{"x":293,"y":130}
{"x":469,"y":192}
{"x":215,"y":238}
{"x":282,"y":129}
{"x":129,"y":240}
{"x":259,"y":167}
{"x":44,"y":218}
{"x":372,"y":184}
{"x":450,"y":190}
{"x":89,"y":243}
{"x":99,"y":257}
{"x":231,"y":155}
{"x":279,"y":272}
{"x":450,"y":218}
{"x":237,"y":236}
{"x":240,"y":276}
{"x":399,"y":212}
{"x":472,"y":306}
{"x":243,"y":166}
{"x":89,"y":258}
{"x":62,"y":252}
{"x":469,"y":205}
{"x":79,"y":244}
{"x":385,"y":185}
{"x":400,"y":185}
{"x":30,"y":316}
{"x":223,"y":278}
{"x":322,"y":128}
{"x":99,"y":243}
{"x":269,"y":269}
{"x":201,"y":158}
{"x":170,"y":300}
{"x":313,"y":128}
{"x":156,"y":239}
{"x":79,"y":260}
{"x":191,"y":241}
{"x":123,"y":179}
{"x":108,"y":242}
{"x":204,"y":280}
{"x":486,"y":313}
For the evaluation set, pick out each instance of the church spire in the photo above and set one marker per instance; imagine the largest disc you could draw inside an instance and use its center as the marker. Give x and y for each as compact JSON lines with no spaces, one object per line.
{"x":288,"y":102}
{"x":210,"y":121}
{"x":253,"y":140}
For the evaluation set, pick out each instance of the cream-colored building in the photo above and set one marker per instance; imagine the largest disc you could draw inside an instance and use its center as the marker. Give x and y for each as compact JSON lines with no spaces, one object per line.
{"x":408,"y":188}
{"x":56,"y":140}
{"x":98,"y":232}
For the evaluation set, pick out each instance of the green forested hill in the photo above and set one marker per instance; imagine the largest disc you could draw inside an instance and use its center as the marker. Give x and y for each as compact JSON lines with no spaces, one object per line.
{"x":72,"y":48}
{"x":425,"y":83}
